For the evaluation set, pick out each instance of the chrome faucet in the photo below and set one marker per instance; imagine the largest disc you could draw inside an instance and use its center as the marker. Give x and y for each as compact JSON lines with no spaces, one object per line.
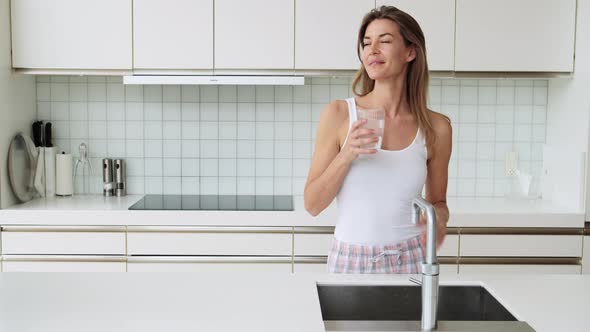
{"x":430,"y":266}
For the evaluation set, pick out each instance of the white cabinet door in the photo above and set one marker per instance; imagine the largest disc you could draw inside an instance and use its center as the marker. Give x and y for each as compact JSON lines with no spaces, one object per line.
{"x":512,"y":245}
{"x":267,"y":241}
{"x":310,"y":265}
{"x":586,"y":256}
{"x":447,"y":269}
{"x":515,"y":35}
{"x":313,"y":241}
{"x":46,"y":263}
{"x":437,"y":20}
{"x":173,"y":34}
{"x":55,"y":240}
{"x":518,"y":269}
{"x":71,"y":34}
{"x":450,"y":246}
{"x":254,"y":34}
{"x":226,"y":264}
{"x":326,"y":33}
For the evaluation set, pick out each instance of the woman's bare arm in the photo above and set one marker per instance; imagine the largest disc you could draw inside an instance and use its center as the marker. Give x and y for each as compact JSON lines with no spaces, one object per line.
{"x":330,"y":164}
{"x":438,"y":172}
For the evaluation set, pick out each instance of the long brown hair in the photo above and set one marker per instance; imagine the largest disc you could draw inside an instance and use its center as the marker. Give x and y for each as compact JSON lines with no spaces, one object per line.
{"x":417,"y":71}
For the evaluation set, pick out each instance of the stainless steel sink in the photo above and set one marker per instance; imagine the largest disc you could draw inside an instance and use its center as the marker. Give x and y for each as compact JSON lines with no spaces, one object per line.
{"x":399,"y":308}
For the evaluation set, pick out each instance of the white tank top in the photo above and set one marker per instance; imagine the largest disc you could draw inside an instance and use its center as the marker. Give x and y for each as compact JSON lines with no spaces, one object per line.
{"x":374,"y":202}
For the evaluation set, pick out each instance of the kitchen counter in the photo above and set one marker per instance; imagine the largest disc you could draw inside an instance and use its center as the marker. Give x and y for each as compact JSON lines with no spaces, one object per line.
{"x":99,"y":210}
{"x":248,"y":301}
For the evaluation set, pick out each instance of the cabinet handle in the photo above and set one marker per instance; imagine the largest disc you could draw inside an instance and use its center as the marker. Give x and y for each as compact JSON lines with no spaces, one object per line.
{"x":521,"y":260}
{"x":62,"y":258}
{"x":210,"y":259}
{"x":64,"y":228}
{"x":521,"y":231}
{"x":330,"y":230}
{"x":311,"y":260}
{"x":314,"y":230}
{"x":209,"y":229}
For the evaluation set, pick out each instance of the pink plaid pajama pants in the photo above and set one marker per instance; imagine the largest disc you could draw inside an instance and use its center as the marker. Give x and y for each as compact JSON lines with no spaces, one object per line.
{"x":403,"y":257}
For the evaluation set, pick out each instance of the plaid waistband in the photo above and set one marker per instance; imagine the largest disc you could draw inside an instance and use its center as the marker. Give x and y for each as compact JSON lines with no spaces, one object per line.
{"x":351,"y":249}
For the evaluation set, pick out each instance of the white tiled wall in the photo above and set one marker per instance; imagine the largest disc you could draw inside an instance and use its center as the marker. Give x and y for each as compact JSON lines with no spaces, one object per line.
{"x":259,"y":139}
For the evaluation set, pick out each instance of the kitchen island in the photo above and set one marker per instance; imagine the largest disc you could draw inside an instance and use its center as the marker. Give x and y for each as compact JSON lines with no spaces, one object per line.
{"x":247,"y":301}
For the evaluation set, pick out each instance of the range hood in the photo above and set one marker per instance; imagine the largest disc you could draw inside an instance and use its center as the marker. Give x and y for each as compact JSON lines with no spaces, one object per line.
{"x":213,"y":80}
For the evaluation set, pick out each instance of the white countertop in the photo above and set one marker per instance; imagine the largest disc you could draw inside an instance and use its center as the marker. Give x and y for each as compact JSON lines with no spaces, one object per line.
{"x":246,"y":302}
{"x":99,"y":210}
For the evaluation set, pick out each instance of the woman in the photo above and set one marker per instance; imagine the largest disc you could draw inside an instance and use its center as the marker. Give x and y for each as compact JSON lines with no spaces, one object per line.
{"x":374,"y":233}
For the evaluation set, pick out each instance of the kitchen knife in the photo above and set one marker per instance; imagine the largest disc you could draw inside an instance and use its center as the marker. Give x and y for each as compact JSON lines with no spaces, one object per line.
{"x":48,"y":135}
{"x":37,"y":136}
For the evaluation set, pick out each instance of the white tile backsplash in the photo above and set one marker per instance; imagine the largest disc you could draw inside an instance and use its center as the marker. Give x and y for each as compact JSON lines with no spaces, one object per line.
{"x":189,"y":167}
{"x":172,"y":148}
{"x":209,"y":149}
{"x":228,"y":111}
{"x":228,"y":149}
{"x":171,"y":111}
{"x":246,"y":185}
{"x":190,"y":149}
{"x":264,"y":167}
{"x":259,"y":139}
{"x":172,"y":185}
{"x":227,"y":185}
{"x":190,"y":185}
{"x":246,"y":112}
{"x":171,"y":93}
{"x":172,"y":167}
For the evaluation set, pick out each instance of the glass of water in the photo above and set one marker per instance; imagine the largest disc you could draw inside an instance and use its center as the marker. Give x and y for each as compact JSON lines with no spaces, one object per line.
{"x":375,"y":120}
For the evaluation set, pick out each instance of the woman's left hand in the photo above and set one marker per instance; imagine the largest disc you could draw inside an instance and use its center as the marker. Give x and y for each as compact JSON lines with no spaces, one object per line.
{"x":441,"y":231}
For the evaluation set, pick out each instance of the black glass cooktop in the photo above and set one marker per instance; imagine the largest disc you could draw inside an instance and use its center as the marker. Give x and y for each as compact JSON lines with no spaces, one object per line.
{"x":215,"y":202}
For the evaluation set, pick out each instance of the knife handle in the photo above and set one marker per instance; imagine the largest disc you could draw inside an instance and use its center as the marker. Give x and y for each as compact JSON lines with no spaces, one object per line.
{"x":48,"y":135}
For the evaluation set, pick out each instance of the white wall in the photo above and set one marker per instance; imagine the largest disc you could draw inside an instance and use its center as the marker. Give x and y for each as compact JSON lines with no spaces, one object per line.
{"x":17,"y":103}
{"x":568,"y":111}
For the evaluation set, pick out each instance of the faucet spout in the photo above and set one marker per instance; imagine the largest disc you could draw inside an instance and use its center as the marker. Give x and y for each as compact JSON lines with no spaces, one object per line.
{"x":430,"y":268}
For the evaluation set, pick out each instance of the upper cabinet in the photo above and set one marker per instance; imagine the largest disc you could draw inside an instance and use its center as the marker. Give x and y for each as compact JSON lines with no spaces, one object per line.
{"x":173,"y":34}
{"x":437,"y":20}
{"x":326,"y":33}
{"x":515,"y":35}
{"x":71,"y":34}
{"x":242,"y":36}
{"x":254,"y":34}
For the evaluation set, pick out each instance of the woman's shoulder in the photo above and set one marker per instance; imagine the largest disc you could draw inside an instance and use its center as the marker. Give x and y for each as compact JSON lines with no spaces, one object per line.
{"x":440,"y":123}
{"x":335,"y":110}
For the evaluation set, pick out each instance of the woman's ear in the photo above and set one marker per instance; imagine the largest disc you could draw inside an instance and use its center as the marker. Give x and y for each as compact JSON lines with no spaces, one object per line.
{"x":411,"y":54}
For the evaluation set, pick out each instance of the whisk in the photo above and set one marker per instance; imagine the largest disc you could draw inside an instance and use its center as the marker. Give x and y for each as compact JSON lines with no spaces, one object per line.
{"x":85,"y":167}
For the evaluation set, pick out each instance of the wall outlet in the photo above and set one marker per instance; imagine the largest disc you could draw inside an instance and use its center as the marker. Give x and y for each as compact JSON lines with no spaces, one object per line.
{"x":511,"y":163}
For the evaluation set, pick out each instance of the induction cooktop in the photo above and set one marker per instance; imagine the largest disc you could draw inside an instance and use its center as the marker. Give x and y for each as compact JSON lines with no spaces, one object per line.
{"x":215,"y":202}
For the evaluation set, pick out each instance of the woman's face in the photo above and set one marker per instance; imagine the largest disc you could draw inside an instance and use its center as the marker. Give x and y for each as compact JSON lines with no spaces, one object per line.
{"x":384,"y":53}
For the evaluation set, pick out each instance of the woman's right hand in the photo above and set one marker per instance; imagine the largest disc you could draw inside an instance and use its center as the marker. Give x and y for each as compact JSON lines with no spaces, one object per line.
{"x":358,"y":137}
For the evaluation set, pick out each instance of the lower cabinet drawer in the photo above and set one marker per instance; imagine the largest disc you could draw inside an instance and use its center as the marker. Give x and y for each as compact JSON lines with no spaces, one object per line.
{"x":519,"y":269}
{"x":57,"y":240}
{"x":210,"y":264}
{"x":521,"y":245}
{"x":312,"y":243}
{"x":210,"y":241}
{"x":450,"y":246}
{"x":446,"y":269}
{"x":63,"y":264}
{"x":310,"y":268}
